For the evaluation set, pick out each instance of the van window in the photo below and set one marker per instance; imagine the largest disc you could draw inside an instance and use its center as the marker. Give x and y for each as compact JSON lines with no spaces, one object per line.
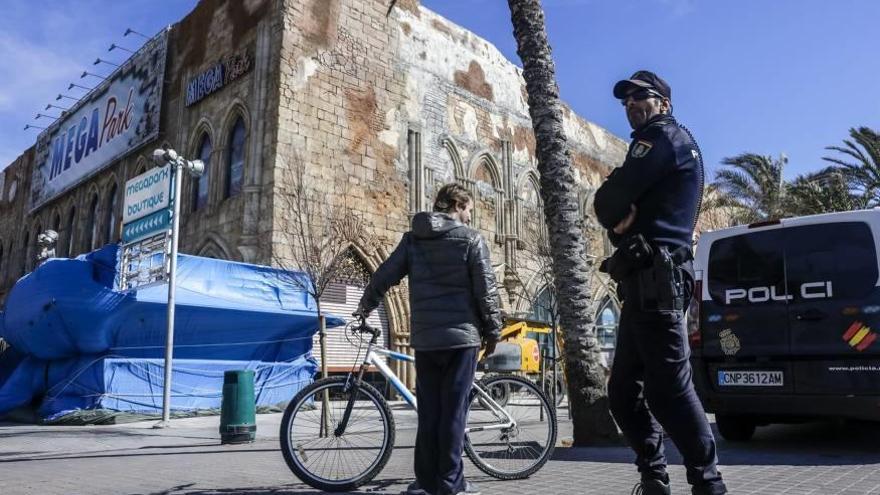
{"x":841,"y":253}
{"x":745,"y":262}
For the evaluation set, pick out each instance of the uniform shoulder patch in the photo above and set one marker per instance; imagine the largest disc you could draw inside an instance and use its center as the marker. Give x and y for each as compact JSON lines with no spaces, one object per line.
{"x":641,"y":148}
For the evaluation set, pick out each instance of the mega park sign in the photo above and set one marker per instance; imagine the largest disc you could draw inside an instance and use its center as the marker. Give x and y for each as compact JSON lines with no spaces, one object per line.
{"x":217,"y":76}
{"x":111,"y":121}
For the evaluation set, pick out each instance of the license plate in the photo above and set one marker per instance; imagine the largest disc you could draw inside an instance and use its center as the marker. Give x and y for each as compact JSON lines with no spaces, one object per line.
{"x":736,"y":378}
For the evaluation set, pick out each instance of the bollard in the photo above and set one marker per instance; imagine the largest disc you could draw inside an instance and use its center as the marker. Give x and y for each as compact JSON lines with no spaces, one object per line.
{"x":238,"y":422}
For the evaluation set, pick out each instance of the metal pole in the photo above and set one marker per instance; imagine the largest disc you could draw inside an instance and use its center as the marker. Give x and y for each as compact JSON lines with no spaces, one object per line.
{"x":542,"y":369}
{"x":322,"y":333}
{"x":555,"y":364}
{"x":169,"y":341}
{"x":325,"y":400}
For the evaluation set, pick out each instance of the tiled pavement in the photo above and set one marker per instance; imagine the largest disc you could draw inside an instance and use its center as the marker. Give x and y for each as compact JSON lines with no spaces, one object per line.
{"x":814,"y":459}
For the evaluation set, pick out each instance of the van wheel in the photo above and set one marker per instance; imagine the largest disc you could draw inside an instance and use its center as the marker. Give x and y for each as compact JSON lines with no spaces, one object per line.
{"x":735,"y":428}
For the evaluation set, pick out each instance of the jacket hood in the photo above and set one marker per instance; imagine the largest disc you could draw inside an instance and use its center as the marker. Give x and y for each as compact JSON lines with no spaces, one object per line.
{"x":430,"y":225}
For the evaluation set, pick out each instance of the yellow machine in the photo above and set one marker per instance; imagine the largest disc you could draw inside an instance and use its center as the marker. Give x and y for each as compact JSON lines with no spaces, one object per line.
{"x":519,"y":351}
{"x":519,"y":348}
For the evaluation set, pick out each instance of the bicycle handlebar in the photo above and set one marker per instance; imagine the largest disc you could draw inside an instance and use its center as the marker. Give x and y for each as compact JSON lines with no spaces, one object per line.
{"x":363,"y":327}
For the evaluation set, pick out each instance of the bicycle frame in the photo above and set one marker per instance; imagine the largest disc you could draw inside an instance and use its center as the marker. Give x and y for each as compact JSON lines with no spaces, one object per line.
{"x":373,"y":357}
{"x":516,"y":439}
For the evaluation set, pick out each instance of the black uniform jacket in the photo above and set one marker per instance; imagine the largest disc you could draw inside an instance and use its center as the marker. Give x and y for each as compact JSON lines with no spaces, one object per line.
{"x":452,"y":292}
{"x":663,"y":177}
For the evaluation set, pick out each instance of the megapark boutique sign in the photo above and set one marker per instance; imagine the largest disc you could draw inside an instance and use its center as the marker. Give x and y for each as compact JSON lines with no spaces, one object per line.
{"x":112,"y":120}
{"x":147,"y":193}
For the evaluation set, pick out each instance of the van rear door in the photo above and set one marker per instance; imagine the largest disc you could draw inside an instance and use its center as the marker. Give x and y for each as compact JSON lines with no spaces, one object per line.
{"x":745,"y":320}
{"x":746,"y":283}
{"x":835,"y":312}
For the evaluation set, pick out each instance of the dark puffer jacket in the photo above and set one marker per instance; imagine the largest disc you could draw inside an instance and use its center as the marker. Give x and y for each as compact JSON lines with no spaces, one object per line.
{"x":452,"y":293}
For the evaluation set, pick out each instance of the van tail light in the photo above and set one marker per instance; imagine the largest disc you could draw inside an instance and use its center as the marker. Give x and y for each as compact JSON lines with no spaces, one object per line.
{"x":695,"y":336}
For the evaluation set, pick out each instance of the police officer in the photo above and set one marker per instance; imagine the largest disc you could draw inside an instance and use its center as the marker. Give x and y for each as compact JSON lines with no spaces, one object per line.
{"x":649,"y":206}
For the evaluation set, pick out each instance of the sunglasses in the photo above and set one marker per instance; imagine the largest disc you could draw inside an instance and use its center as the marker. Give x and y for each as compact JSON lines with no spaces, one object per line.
{"x":639,"y":95}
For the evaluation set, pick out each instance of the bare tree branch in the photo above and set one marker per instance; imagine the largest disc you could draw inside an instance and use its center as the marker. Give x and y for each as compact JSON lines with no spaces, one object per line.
{"x":317,"y":232}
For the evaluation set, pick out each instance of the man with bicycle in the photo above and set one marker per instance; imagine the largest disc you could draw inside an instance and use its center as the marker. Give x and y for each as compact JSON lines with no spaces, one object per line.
{"x":649,"y":206}
{"x":454,"y":307}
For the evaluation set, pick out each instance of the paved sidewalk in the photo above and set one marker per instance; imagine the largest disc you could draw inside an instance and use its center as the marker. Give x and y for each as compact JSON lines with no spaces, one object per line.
{"x":814,"y":459}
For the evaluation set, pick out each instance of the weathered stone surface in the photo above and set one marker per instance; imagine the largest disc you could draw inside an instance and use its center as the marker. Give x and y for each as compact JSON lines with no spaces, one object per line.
{"x":381,"y":108}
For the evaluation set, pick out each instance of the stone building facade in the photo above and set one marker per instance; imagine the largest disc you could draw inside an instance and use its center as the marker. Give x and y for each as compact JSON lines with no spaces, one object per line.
{"x":381,"y":106}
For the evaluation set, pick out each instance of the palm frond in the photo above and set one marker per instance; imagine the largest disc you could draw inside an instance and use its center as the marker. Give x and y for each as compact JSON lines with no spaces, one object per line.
{"x":860,"y":161}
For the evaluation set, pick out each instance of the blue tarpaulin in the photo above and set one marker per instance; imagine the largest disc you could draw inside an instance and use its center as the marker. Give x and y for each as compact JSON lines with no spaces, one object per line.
{"x":84,"y":344}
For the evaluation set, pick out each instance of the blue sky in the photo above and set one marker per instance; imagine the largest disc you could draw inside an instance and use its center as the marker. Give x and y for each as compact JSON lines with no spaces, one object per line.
{"x":766,"y":76}
{"x":46,"y":44}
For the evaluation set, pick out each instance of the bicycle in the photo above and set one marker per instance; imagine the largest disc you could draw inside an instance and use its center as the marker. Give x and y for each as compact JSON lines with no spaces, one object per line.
{"x":338,"y":433}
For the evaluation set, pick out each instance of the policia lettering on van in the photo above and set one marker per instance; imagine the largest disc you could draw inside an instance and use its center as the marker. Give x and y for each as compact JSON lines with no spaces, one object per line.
{"x":784,"y":322}
{"x":809,"y":290}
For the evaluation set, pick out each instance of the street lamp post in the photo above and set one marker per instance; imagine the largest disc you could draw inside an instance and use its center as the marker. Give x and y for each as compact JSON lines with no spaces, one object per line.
{"x":196,"y":168}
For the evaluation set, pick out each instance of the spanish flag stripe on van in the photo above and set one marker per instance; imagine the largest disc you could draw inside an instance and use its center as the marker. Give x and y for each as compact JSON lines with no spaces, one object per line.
{"x":852,"y":330}
{"x":868,"y":341}
{"x":859,"y":336}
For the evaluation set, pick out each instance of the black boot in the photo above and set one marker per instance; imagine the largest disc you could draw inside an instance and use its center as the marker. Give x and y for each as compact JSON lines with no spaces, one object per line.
{"x":704,"y":490}
{"x":652,"y":486}
{"x":415,"y":489}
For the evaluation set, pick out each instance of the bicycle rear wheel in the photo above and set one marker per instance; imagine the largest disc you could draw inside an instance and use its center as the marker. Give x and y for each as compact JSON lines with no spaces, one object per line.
{"x":510,"y":451}
{"x":560,"y":389}
{"x":323,"y":456}
{"x":500,"y":392}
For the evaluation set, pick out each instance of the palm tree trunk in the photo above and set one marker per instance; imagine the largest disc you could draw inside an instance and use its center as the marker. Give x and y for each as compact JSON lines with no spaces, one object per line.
{"x":588,"y":398}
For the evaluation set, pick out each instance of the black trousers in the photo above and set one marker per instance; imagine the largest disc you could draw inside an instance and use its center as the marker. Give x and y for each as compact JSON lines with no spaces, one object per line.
{"x":650,"y":382}
{"x":443,"y":384}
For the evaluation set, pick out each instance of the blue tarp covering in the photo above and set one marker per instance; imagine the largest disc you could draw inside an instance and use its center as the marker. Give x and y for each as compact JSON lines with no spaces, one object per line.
{"x":84,"y":344}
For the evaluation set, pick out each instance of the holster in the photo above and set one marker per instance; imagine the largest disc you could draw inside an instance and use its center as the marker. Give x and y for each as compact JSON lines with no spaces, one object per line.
{"x":662,"y":286}
{"x":633,"y":254}
{"x":657,"y":281}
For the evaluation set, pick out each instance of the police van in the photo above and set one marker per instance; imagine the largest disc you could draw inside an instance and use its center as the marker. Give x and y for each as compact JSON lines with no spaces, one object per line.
{"x":785,"y":321}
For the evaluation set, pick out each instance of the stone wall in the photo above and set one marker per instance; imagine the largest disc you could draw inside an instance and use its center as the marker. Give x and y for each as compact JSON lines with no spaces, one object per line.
{"x":467,"y":103}
{"x":15,"y":232}
{"x":379,"y":108}
{"x":230,"y":223}
{"x":383,"y":108}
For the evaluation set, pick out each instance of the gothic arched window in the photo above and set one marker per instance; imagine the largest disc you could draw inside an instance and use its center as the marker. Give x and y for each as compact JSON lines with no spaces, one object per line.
{"x":200,"y":185}
{"x":235,"y":161}
{"x":110,"y":215}
{"x":70,"y":243}
{"x":92,"y":240}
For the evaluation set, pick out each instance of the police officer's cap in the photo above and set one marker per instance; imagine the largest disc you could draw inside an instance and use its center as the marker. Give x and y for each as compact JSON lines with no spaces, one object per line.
{"x":642,"y":79}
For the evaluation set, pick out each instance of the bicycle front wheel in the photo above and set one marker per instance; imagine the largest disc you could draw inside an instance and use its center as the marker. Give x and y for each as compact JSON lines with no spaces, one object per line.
{"x":327,"y":454}
{"x":515,"y":440}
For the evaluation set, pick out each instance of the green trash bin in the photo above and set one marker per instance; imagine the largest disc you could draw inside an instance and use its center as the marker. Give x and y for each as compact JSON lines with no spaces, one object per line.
{"x":238,"y":423}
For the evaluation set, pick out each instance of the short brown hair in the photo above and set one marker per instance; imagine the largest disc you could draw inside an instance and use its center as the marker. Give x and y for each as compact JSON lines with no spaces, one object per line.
{"x":451,"y":196}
